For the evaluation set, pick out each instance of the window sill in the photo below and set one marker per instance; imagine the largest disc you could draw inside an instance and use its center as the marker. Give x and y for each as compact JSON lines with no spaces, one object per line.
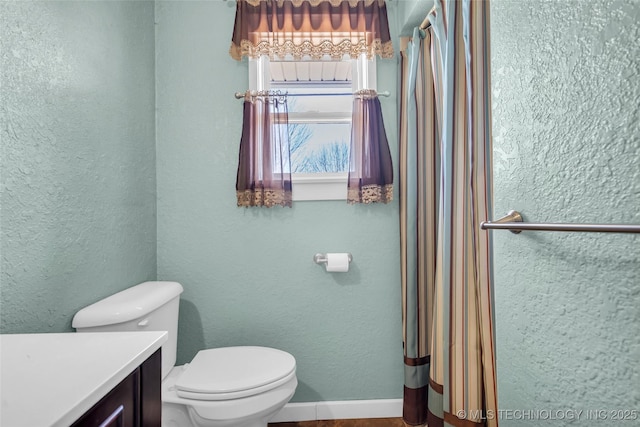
{"x":319,"y":186}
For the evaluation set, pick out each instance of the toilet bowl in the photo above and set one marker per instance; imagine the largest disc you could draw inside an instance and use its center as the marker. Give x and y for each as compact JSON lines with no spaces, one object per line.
{"x":231,"y":386}
{"x":241,"y":386}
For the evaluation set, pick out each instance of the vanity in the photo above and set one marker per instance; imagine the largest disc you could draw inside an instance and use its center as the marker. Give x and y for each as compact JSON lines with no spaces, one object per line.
{"x":81,"y":379}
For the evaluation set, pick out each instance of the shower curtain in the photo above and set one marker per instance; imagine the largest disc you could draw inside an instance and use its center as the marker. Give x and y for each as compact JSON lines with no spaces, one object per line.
{"x":445,"y":184}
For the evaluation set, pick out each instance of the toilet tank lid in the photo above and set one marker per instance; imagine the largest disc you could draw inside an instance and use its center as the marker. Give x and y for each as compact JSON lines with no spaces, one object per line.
{"x":127,"y":305}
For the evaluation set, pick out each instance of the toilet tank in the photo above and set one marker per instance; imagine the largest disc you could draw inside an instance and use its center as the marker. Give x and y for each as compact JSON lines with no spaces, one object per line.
{"x":149,"y":306}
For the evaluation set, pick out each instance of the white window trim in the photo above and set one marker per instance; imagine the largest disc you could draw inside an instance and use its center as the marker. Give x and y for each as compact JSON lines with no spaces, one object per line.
{"x":316,"y":186}
{"x":318,"y":118}
{"x":319,"y":186}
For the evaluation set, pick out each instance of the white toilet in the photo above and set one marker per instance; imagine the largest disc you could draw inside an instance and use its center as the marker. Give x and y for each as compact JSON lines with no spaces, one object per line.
{"x":222,"y":387}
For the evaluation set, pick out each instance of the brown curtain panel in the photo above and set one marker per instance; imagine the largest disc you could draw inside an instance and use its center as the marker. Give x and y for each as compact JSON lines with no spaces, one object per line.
{"x":264,"y":171}
{"x":370,"y":167}
{"x":314,"y":29}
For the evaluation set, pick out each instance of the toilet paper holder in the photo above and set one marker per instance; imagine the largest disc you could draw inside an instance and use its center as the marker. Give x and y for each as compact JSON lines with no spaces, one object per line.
{"x":322,"y":258}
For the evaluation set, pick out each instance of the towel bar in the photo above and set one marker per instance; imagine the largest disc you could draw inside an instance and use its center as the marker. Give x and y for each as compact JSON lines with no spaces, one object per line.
{"x":513,"y":222}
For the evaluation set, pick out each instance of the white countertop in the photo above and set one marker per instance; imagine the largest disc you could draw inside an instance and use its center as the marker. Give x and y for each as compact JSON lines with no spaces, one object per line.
{"x":52,"y":379}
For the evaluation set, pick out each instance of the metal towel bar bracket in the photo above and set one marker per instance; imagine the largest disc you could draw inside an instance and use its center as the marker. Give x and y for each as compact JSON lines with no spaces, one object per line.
{"x":513,"y":222}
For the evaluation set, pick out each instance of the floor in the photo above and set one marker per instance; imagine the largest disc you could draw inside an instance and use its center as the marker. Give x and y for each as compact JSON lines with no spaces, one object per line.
{"x":369,"y":422}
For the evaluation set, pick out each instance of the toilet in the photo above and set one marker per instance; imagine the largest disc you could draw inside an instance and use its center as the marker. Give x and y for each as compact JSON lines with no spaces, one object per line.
{"x":242,"y":386}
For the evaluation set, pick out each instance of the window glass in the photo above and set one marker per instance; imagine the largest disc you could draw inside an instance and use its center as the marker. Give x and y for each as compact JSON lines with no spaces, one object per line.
{"x":319,"y":97}
{"x":319,"y":125}
{"x":319,"y":147}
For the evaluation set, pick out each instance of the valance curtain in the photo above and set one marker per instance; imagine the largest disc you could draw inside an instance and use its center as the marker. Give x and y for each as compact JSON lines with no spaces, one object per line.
{"x":264,"y":171}
{"x":445,"y":194}
{"x":300,"y":29}
{"x":370,"y":167}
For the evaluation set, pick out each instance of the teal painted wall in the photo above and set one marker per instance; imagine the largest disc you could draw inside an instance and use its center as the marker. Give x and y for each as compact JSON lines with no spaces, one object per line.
{"x":248,"y":274}
{"x":78,"y":203}
{"x":410,"y":14}
{"x":78,"y":200}
{"x":566,"y":84}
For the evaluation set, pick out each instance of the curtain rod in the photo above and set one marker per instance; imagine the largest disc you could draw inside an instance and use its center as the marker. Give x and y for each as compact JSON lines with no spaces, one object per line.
{"x":513,"y":222}
{"x":425,"y":22}
{"x":240,"y":95}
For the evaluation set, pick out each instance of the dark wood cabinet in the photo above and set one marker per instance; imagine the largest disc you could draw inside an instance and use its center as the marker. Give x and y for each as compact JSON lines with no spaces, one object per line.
{"x":135,"y":402}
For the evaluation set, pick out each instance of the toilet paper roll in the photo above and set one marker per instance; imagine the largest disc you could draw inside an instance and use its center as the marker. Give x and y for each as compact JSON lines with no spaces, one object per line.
{"x":338,"y":263}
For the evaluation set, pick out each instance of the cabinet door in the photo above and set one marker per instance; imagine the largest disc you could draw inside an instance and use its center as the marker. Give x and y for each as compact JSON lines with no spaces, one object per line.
{"x":119,"y":408}
{"x":116,"y":419}
{"x":151,"y":391}
{"x":135,"y":402}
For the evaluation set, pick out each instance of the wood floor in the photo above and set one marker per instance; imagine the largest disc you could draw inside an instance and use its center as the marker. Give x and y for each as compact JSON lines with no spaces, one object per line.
{"x":368,"y":422}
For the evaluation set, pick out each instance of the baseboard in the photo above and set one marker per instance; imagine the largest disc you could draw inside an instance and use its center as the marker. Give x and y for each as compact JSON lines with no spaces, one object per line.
{"x":339,"y":410}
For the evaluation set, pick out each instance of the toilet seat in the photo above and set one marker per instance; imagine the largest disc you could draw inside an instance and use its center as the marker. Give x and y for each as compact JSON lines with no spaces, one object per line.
{"x":234,"y":372}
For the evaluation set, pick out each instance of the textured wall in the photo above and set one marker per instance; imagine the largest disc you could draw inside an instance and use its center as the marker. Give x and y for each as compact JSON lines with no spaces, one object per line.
{"x":411,"y":13}
{"x":566,"y":84}
{"x":78,"y":157}
{"x":248,"y":273}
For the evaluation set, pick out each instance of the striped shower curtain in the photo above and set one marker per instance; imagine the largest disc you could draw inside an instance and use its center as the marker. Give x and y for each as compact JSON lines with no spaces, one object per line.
{"x":445,"y":185}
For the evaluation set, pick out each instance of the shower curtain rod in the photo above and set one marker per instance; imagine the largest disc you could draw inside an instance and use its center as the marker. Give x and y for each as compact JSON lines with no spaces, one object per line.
{"x":425,"y":22}
{"x":240,"y":95}
{"x":513,"y":222}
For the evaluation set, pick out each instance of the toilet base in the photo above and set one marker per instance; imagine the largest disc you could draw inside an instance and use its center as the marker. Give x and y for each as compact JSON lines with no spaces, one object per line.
{"x":174,"y":415}
{"x":261,"y":421}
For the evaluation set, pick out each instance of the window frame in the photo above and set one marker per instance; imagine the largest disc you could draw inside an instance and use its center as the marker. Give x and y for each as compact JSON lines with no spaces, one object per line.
{"x":319,"y":185}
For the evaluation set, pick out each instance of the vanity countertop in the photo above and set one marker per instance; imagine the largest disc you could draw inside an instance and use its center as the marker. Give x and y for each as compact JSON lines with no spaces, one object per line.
{"x":52,"y":379}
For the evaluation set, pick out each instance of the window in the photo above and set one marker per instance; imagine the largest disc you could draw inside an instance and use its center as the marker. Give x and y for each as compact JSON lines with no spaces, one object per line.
{"x":319,"y":102}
